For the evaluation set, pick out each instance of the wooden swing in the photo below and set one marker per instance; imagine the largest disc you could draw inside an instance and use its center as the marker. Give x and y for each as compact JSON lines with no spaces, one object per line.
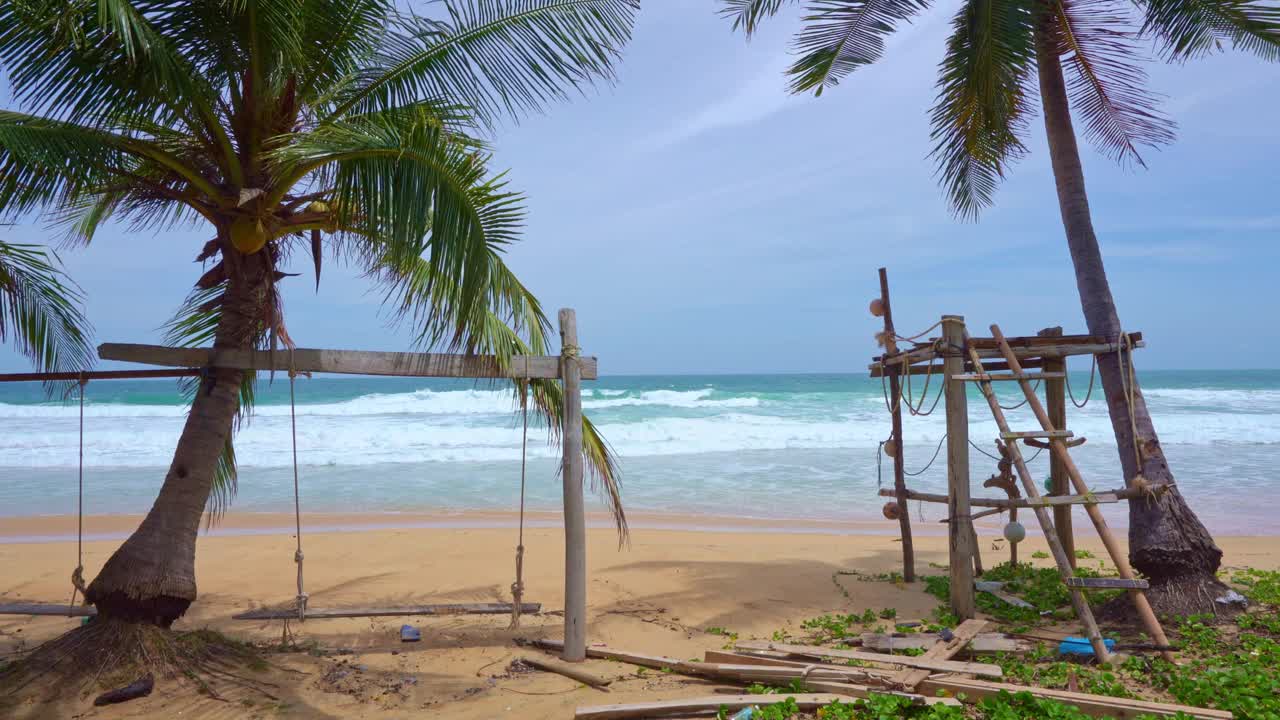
{"x":301,"y":612}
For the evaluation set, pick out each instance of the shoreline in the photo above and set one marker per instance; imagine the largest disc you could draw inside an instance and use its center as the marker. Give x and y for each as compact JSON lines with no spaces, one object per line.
{"x":32,"y":529}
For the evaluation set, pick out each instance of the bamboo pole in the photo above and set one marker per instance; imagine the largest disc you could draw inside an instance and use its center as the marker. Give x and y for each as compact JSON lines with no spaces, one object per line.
{"x":1055,"y":392}
{"x":895,"y":410}
{"x":1078,"y":601}
{"x":963,"y":539}
{"x":1118,"y":555}
{"x":575,"y":526}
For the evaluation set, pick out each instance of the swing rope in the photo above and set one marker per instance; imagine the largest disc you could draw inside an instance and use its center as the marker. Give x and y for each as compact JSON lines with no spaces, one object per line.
{"x":77,"y":575}
{"x":517,"y":587}
{"x":301,"y":599}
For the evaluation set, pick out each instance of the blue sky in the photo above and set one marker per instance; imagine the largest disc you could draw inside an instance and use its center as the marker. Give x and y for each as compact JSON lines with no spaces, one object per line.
{"x":700,"y":219}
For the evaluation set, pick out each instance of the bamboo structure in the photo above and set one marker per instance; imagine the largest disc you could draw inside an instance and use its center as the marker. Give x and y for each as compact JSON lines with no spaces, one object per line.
{"x":960,"y":359}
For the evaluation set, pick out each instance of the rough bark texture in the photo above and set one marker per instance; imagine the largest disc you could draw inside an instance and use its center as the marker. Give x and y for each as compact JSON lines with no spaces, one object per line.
{"x":151,"y":577}
{"x":1167,"y":542}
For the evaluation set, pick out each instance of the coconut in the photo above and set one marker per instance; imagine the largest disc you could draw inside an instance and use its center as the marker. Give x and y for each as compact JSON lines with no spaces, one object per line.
{"x":247,"y":235}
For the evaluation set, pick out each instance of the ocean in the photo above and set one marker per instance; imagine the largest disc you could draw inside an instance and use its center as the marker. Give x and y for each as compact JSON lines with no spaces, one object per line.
{"x":738,"y":446}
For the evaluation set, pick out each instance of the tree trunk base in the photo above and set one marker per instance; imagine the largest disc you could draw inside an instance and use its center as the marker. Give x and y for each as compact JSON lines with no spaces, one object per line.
{"x":1187,"y":594}
{"x":58,"y":677}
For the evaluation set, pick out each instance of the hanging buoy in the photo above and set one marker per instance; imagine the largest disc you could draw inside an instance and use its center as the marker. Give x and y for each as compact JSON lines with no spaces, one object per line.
{"x":1048,"y":485}
{"x":877,"y":307}
{"x":1014,"y":532}
{"x":891,"y":448}
{"x":890,"y":511}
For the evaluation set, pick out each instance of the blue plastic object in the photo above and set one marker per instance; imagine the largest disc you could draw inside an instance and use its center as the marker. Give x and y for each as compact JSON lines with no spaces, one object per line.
{"x":1081,"y":647}
{"x":409,"y":633}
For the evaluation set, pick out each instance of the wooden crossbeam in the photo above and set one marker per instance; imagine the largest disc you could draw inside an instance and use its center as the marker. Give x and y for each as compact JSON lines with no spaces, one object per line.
{"x":1042,"y":501}
{"x":1024,"y":434}
{"x":997,"y":377}
{"x":98,"y":375}
{"x":1024,"y":348}
{"x":349,"y":362}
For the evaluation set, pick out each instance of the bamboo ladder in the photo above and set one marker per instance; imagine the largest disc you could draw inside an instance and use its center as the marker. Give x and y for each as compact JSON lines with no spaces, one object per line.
{"x":1058,"y":443}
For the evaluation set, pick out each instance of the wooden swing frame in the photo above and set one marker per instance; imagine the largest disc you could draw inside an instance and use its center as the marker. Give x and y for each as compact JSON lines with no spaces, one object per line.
{"x":570,"y":367}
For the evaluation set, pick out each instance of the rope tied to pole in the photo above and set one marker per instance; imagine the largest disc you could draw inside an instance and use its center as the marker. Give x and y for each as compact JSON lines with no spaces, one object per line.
{"x":77,"y":575}
{"x":300,"y":600}
{"x":517,"y":587}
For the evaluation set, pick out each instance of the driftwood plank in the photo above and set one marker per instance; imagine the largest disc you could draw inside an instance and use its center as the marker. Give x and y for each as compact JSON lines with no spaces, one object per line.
{"x":985,"y":643}
{"x":443,"y":609}
{"x":921,"y":662}
{"x":566,"y":670}
{"x":909,"y":679}
{"x":46,"y":609}
{"x":351,"y":362}
{"x":971,"y":691}
{"x":700,"y":705}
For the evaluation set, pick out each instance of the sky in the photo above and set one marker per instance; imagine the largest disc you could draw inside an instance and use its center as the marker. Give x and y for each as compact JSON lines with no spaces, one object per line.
{"x":702,"y":220}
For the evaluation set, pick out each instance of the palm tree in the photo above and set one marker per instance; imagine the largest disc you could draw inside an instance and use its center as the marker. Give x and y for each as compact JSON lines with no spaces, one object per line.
{"x":40,"y":310}
{"x":340,"y":128}
{"x":987,"y":82}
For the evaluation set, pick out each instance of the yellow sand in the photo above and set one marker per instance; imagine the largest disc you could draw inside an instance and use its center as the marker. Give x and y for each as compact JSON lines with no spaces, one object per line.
{"x":656,"y":596}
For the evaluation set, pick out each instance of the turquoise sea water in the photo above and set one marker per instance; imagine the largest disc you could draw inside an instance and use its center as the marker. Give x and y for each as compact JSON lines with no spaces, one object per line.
{"x":771,"y":446}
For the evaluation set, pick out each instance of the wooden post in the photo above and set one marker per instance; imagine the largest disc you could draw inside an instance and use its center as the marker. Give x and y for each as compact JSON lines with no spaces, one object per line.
{"x":960,"y":529}
{"x":1055,"y":395}
{"x":575,"y":524}
{"x":899,"y":473}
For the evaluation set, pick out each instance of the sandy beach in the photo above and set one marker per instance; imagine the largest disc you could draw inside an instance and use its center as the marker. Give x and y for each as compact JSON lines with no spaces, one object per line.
{"x":657,"y":595}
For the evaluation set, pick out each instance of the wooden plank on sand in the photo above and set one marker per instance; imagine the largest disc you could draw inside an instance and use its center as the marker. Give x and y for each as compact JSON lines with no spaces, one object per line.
{"x":351,"y":362}
{"x":922,"y":662}
{"x":985,"y":643}
{"x":698,"y":705}
{"x":971,"y":691}
{"x":46,"y":609}
{"x":443,"y":609}
{"x":968,"y":630}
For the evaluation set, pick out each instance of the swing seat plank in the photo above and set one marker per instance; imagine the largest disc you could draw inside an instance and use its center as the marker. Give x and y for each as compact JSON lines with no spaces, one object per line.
{"x":359,"y":612}
{"x":47,"y":609}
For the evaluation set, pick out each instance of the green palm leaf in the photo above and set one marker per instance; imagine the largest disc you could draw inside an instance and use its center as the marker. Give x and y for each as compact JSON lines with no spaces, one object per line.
{"x":512,"y":55}
{"x":840,"y":36}
{"x":40,"y":310}
{"x":1108,"y":87}
{"x":981,"y":108}
{"x":747,"y":14}
{"x":1193,"y":28}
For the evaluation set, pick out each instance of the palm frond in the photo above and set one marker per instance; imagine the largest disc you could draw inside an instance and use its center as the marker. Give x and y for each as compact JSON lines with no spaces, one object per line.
{"x":840,"y":36}
{"x":402,"y":179}
{"x":748,"y":14}
{"x":40,"y":310}
{"x":44,"y":162}
{"x":1194,"y":28}
{"x":1108,"y":87}
{"x":108,"y":62}
{"x":494,"y":55}
{"x":981,"y":108}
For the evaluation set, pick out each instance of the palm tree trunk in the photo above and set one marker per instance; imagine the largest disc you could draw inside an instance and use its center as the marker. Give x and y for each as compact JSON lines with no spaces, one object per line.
{"x":151,"y":577}
{"x":1167,"y":542}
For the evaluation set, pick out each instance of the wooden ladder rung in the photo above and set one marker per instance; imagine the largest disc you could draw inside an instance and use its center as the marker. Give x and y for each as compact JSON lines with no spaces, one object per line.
{"x":1044,"y":445}
{"x":1090,"y":499}
{"x":1107,"y":583}
{"x":994,"y":377}
{"x":1050,"y":434}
